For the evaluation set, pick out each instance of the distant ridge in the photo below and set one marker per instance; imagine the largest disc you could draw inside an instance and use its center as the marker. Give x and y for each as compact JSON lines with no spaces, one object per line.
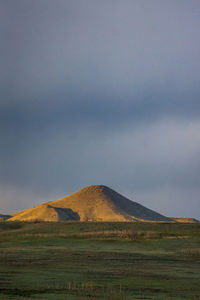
{"x":93,"y":203}
{"x":4,"y":217}
{"x":185,"y":220}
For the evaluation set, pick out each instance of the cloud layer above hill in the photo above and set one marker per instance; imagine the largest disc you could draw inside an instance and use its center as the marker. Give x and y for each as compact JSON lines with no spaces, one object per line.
{"x":100,"y":92}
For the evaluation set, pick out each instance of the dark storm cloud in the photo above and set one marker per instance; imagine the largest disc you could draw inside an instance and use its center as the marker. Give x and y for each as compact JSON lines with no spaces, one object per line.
{"x":114,"y":50}
{"x":99,"y":92}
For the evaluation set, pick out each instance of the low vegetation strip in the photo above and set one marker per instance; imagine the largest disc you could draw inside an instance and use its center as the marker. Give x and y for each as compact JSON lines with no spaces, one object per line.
{"x":109,"y":234}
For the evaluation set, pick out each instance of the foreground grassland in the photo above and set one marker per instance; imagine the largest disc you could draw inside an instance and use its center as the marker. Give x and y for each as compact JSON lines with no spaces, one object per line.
{"x":99,"y":261}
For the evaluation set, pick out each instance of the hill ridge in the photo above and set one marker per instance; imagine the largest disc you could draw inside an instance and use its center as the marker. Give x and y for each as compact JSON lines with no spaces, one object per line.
{"x":92,"y":203}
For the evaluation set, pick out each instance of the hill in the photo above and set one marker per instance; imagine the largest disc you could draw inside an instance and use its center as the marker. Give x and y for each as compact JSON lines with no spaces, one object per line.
{"x":94,"y":203}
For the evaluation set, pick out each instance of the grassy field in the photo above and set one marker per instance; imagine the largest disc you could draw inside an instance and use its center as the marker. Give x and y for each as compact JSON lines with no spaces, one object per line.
{"x":99,"y":261}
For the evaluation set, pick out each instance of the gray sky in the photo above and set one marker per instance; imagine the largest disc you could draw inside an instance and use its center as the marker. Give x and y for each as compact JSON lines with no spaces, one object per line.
{"x":100,"y":92}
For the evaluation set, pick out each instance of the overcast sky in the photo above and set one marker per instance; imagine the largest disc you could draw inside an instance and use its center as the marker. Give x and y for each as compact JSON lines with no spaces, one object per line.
{"x":100,"y":92}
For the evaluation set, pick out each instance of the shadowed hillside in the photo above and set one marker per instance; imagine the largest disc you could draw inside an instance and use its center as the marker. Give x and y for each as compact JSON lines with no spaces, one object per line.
{"x":93,"y":203}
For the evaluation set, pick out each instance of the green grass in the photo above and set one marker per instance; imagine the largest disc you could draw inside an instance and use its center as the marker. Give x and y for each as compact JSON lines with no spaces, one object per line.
{"x":99,"y":261}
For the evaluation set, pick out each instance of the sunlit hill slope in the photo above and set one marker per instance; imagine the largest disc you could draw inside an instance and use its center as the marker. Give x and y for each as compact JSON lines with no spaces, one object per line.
{"x":94,"y":203}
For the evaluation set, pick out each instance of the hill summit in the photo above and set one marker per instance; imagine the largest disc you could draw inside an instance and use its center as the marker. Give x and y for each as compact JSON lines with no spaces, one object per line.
{"x":97,"y":203}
